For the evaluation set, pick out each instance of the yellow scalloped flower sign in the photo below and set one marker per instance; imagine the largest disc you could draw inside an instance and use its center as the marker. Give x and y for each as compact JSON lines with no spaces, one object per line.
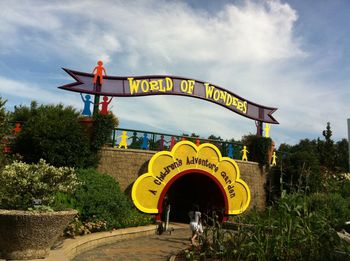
{"x":186,"y":157}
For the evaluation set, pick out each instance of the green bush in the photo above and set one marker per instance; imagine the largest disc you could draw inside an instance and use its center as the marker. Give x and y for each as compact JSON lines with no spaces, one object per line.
{"x":292,"y":230}
{"x":333,"y":206}
{"x":52,"y":132}
{"x":100,"y":198}
{"x":102,"y":130}
{"x":23,"y":183}
{"x":258,"y":148}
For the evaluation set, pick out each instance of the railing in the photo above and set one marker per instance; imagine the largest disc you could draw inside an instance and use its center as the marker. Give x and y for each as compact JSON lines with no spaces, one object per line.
{"x":147,"y":140}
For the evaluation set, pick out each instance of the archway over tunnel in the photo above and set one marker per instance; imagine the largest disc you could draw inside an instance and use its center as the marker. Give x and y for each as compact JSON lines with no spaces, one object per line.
{"x":195,"y":189}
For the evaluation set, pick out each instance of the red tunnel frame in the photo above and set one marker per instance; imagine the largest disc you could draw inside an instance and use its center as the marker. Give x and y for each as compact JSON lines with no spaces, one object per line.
{"x":183,"y":173}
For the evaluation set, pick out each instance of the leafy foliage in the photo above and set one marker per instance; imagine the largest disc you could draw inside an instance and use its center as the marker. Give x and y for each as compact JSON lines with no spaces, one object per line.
{"x":258,"y":148}
{"x":293,"y":230}
{"x":52,"y":132}
{"x":4,"y":134}
{"x":100,"y":198}
{"x":22,"y":183}
{"x":102,"y":130}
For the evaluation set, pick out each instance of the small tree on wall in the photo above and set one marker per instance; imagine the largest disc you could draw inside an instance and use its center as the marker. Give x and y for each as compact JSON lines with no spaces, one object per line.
{"x":103,"y":126}
{"x":258,"y":148}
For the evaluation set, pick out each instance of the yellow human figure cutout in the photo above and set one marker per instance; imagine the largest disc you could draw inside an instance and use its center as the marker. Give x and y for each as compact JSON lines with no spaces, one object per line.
{"x":274,"y":157}
{"x":267,"y":130}
{"x":245,"y":151}
{"x":123,"y":139}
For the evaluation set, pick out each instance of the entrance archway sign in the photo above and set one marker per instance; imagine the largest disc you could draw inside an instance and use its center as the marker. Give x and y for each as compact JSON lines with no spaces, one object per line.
{"x":169,"y":85}
{"x":166,"y":167}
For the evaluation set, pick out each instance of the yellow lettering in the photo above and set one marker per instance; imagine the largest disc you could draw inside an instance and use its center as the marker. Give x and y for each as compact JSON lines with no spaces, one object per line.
{"x":245,"y":107}
{"x":145,"y":86}
{"x":235,"y":101}
{"x":191,"y":84}
{"x":228,"y":100}
{"x":216,"y":95}
{"x":208,"y":90}
{"x":169,"y":83}
{"x":134,"y":85}
{"x":161,"y":87}
{"x":223,"y":95}
{"x":154,"y":85}
{"x":184,"y":86}
{"x":240,"y":106}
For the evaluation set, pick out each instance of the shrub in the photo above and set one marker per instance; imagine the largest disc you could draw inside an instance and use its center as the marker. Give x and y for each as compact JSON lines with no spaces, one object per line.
{"x":333,"y":206}
{"x":102,"y":130}
{"x":52,"y":132}
{"x":100,"y":198}
{"x":290,"y":231}
{"x":23,"y":183}
{"x":258,"y":148}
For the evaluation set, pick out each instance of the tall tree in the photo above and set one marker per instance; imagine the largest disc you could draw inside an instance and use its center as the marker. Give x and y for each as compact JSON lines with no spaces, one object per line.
{"x":342,"y":155}
{"x":327,"y":156}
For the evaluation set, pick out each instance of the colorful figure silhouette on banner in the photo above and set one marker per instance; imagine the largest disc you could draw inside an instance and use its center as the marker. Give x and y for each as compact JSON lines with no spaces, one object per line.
{"x":98,"y":72}
{"x":172,"y":142}
{"x":274,"y":157}
{"x":123,"y":139}
{"x":87,"y":102}
{"x":267,"y":130}
{"x":198,"y":142}
{"x":104,"y":105}
{"x":245,"y":152}
{"x":17,"y":129}
{"x":144,"y":145}
{"x":230,"y":151}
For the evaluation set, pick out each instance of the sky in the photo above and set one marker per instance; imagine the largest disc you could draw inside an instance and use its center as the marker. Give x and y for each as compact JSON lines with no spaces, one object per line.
{"x":289,"y":54}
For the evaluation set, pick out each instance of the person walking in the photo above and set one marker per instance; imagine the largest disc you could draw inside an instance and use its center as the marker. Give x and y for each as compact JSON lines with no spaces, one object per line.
{"x":195,"y":224}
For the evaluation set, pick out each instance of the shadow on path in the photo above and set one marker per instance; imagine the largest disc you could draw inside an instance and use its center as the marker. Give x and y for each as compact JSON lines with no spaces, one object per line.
{"x":155,"y":247}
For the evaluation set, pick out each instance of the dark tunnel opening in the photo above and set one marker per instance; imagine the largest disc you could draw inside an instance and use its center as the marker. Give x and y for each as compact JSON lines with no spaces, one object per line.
{"x":195,"y":189}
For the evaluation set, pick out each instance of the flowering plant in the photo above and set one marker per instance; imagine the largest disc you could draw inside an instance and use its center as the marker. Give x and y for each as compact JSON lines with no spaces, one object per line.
{"x":25,"y":185}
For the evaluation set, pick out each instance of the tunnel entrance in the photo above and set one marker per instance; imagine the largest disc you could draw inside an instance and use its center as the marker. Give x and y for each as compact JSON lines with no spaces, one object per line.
{"x":195,"y":189}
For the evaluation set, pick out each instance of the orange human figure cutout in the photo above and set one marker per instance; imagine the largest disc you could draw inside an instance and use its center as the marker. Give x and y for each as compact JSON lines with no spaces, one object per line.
{"x":17,"y":129}
{"x":123,"y":140}
{"x":98,"y":72}
{"x":274,"y":157}
{"x":244,"y":151}
{"x":104,"y":105}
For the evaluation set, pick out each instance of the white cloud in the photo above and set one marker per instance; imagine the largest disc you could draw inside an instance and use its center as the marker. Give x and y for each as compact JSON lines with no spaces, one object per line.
{"x":249,"y":49}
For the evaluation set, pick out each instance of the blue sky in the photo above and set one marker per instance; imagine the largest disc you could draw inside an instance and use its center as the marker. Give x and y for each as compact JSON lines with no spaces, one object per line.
{"x":292,"y":54}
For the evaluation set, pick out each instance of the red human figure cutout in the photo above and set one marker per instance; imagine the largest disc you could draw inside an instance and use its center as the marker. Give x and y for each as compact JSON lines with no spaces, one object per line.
{"x":172,"y":142}
{"x":198,"y":142}
{"x":98,"y":72}
{"x":104,"y":105}
{"x":161,"y":142}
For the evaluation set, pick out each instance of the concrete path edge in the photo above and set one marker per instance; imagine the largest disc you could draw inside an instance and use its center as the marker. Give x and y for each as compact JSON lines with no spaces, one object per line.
{"x":70,"y":248}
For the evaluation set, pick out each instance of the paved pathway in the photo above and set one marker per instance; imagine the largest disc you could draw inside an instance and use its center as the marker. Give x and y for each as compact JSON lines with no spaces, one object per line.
{"x":156,"y":247}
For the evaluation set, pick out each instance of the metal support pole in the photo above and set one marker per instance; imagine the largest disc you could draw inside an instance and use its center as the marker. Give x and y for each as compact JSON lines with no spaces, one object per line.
{"x":167,"y":218}
{"x":259,"y":128}
{"x":97,"y":88}
{"x":349,"y":140}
